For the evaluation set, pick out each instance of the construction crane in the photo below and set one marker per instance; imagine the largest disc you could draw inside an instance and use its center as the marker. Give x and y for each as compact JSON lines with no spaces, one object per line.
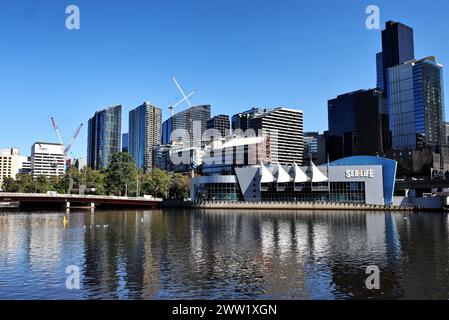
{"x":59,"y":137}
{"x":75,"y":135}
{"x":184,"y":97}
{"x":58,"y":133}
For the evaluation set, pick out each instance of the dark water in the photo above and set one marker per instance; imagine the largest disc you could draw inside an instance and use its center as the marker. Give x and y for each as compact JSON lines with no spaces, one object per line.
{"x":223,"y":255}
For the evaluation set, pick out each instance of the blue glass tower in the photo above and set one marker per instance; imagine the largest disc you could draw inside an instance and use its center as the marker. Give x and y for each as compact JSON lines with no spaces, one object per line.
{"x":416,"y":105}
{"x":104,"y":137}
{"x":397,"y":46}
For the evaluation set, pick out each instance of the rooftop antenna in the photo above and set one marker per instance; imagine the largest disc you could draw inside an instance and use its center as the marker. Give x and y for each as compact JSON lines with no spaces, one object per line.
{"x":184,"y":97}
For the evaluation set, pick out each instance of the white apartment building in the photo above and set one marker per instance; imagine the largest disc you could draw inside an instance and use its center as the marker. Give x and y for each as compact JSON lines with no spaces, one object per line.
{"x":12,"y":163}
{"x":47,"y":159}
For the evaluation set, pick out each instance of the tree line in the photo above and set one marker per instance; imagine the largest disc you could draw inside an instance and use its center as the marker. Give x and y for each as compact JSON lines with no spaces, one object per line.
{"x":120,"y":178}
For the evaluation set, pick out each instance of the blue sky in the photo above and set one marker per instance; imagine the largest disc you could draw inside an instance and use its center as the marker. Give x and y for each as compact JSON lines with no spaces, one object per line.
{"x":237,"y":54}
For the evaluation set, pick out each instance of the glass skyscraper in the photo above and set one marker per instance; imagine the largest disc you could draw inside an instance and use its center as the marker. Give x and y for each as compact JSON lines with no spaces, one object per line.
{"x":358,"y":124}
{"x":104,"y":137}
{"x":192,"y":122}
{"x":397,"y":47}
{"x":220,"y":123}
{"x":416,"y":105}
{"x":144,"y":133}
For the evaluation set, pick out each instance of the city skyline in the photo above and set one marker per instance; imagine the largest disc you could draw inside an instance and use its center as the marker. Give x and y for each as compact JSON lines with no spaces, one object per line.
{"x":289,"y":83}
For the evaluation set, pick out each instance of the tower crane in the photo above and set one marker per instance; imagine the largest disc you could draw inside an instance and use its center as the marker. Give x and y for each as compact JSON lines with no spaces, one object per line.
{"x":59,"y":137}
{"x":184,"y":97}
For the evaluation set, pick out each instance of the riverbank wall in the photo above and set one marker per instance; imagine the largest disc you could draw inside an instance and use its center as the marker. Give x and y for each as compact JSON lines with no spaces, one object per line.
{"x":288,"y":206}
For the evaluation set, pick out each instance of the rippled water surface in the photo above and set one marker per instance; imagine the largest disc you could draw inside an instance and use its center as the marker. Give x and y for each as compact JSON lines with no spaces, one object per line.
{"x":223,"y":255}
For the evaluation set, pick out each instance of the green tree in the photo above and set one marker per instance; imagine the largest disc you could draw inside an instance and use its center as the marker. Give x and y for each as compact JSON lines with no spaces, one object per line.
{"x":25,"y":183}
{"x":10,"y":185}
{"x":157,"y":183}
{"x":179,"y":186}
{"x":120,"y":174}
{"x":93,"y":179}
{"x":42,"y":185}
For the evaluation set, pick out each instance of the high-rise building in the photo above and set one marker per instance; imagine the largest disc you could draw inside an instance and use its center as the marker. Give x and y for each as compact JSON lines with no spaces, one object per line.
{"x":220,"y":123}
{"x":125,"y":142}
{"x":240,"y":120}
{"x":416,"y":105}
{"x":380,"y":71}
{"x":104,"y":136}
{"x":397,"y":47}
{"x":358,"y":124}
{"x":310,"y":147}
{"x":47,"y":159}
{"x":189,"y":124}
{"x":283,"y":128}
{"x":12,"y":163}
{"x":144,"y":133}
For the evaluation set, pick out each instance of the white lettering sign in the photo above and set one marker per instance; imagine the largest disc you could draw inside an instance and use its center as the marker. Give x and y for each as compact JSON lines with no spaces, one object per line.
{"x":368,"y":173}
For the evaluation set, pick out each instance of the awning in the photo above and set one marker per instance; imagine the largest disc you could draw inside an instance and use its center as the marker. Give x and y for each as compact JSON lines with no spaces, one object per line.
{"x":317,"y":175}
{"x":300,"y":176}
{"x":267,"y":177}
{"x":283,"y":176}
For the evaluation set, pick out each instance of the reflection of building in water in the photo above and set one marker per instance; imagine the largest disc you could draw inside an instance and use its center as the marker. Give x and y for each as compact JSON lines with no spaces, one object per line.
{"x":284,"y":249}
{"x":103,"y":247}
{"x":424,"y":243}
{"x":46,"y":241}
{"x":151,"y":266}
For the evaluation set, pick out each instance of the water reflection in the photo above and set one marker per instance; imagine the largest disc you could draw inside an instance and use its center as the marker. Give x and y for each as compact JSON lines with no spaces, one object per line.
{"x":223,"y":255}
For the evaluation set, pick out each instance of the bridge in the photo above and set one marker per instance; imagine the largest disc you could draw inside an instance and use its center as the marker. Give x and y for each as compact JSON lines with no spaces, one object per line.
{"x":38,"y":200}
{"x":421,"y":183}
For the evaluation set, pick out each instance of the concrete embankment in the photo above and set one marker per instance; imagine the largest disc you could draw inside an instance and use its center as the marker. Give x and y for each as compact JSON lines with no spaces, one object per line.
{"x":286,"y":206}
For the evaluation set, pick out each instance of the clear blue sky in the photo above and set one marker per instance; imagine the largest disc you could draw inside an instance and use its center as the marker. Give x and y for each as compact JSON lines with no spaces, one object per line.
{"x":237,"y":54}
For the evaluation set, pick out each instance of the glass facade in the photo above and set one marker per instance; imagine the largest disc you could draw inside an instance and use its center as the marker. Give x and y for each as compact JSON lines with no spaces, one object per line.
{"x":144,"y":133}
{"x":397,"y":47}
{"x":193,"y":121}
{"x":220,"y":123}
{"x":104,"y":137}
{"x":416,"y":106}
{"x":358,"y":124}
{"x":218,"y":191}
{"x":345,"y":192}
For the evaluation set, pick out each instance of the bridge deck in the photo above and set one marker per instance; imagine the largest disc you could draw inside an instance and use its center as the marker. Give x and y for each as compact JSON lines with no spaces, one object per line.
{"x":32,"y":198}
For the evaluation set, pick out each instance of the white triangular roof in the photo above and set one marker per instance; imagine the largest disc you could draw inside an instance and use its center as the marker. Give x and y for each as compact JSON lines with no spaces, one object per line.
{"x":283,"y":176}
{"x":300,"y":176}
{"x":317,"y":175}
{"x":267,"y":177}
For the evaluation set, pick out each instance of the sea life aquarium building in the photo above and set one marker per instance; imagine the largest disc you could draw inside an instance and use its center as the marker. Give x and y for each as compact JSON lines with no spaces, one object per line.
{"x":359,"y":179}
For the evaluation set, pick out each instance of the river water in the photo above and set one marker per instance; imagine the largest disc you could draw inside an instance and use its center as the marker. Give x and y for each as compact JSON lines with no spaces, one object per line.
{"x":178,"y":254}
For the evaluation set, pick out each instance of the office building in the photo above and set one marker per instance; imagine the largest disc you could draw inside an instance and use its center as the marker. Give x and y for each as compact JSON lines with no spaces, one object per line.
{"x":240,"y":121}
{"x":187,"y":126}
{"x":12,"y":163}
{"x":380,"y":71}
{"x":281,"y":126}
{"x":47,"y":159}
{"x":315,"y":148}
{"x":104,"y":137}
{"x":358,"y":124}
{"x":221,"y":124}
{"x":397,"y":47}
{"x":178,"y":158}
{"x":359,"y":179}
{"x":145,"y":124}
{"x":125,"y":142}
{"x":416,"y":105}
